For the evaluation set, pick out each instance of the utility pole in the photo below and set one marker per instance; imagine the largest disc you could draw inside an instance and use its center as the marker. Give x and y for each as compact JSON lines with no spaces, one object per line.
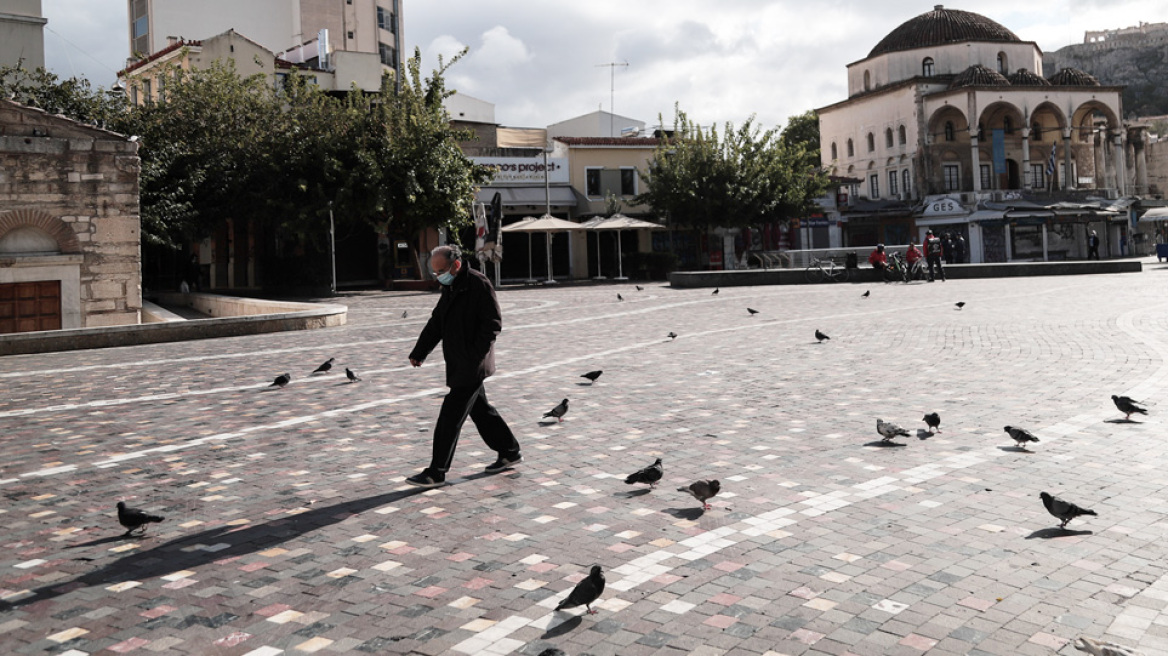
{"x":611,"y":91}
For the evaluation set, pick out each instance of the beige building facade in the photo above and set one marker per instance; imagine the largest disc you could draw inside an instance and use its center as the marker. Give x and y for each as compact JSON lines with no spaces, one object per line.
{"x":69,"y":225}
{"x":22,"y":38}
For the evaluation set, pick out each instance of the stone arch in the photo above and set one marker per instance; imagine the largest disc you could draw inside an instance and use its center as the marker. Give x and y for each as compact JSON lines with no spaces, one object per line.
{"x":1046,"y":118}
{"x":60,"y":231}
{"x":948,"y":114}
{"x":1002,"y":115}
{"x":1085,"y":117}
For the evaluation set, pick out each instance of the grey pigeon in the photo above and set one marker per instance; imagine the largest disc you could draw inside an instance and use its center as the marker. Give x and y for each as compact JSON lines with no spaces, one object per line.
{"x":715,"y":292}
{"x":353,"y":378}
{"x":281,"y":380}
{"x":552,"y":651}
{"x":1064,"y":510}
{"x":592,"y":375}
{"x":639,"y":288}
{"x":324,"y":368}
{"x":672,"y":335}
{"x":1127,"y":406}
{"x":702,"y":491}
{"x":405,"y":313}
{"x":889,"y":430}
{"x":960,"y":304}
{"x":1021,"y":436}
{"x":820,"y":336}
{"x":619,"y":297}
{"x":1100,"y":648}
{"x":650,"y":475}
{"x":133,"y":518}
{"x":586,"y":591}
{"x":752,"y":311}
{"x":866,"y":294}
{"x":933,"y":420}
{"x":559,"y":411}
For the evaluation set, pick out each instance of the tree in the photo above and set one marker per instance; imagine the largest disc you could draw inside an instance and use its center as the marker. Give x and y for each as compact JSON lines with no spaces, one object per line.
{"x":742,"y":177}
{"x":803,"y":129}
{"x":72,"y":97}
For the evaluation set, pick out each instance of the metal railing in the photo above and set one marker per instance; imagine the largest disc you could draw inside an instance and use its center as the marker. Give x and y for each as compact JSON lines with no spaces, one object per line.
{"x":801,"y":259}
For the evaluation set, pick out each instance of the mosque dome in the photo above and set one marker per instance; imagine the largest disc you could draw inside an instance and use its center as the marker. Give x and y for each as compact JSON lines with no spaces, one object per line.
{"x":979,"y":76}
{"x":1024,"y":78}
{"x":1073,"y":77}
{"x":942,"y":26}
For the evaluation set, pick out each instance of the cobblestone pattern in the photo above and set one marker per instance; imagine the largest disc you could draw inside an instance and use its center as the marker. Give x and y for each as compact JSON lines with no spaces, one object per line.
{"x":289,"y":529}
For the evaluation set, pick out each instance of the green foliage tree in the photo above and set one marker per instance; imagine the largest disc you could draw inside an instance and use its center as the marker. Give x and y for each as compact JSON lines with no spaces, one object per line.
{"x":73,"y":97}
{"x":737,"y":178}
{"x":803,"y":129}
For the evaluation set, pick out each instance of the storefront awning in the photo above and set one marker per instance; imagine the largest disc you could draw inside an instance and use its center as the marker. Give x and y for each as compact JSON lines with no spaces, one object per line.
{"x":1155,"y":214}
{"x":534,"y":196}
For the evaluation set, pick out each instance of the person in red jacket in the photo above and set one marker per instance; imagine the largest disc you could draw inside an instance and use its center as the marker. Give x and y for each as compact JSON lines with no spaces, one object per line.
{"x":913,"y":253}
{"x":934,"y":251}
{"x":878,"y":259}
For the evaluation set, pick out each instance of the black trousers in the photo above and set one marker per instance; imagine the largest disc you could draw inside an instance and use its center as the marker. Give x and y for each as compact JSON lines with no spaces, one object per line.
{"x":1092,"y":252}
{"x":460,"y":403}
{"x":935,"y":260}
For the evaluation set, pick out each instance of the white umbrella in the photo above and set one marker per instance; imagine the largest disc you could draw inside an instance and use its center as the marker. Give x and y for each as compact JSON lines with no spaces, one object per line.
{"x":546,"y":224}
{"x":591,"y":224}
{"x":620,"y":222}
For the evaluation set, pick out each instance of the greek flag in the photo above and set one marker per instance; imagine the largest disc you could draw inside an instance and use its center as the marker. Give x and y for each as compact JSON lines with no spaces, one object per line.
{"x":1050,"y":162}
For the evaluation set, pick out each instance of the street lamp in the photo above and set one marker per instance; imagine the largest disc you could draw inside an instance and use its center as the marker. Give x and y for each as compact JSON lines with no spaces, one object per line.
{"x":332,"y":252}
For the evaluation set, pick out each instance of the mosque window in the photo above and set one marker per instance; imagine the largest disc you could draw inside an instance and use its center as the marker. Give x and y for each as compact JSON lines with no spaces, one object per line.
{"x":950,"y":131}
{"x":851,"y":149}
{"x":927,"y":67}
{"x":1003,"y":64}
{"x":834,"y":152}
{"x":1036,"y":131}
{"x":903,"y":135}
{"x":871,"y":142}
{"x":888,"y":137}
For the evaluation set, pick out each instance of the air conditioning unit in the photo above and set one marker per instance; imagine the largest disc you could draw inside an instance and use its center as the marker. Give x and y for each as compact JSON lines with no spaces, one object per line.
{"x":968,"y":197}
{"x":1112,"y":194}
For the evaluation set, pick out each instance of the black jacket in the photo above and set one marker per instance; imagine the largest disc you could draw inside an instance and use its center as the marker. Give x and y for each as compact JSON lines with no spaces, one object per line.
{"x":466,"y":320}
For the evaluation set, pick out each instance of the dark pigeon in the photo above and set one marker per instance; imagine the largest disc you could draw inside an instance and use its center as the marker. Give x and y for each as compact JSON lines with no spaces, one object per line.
{"x":1127,"y":406}
{"x":353,"y":378}
{"x":559,"y":411}
{"x":134,"y":519}
{"x":650,"y":475}
{"x":281,"y":380}
{"x":752,"y":311}
{"x":405,"y":313}
{"x":702,"y":491}
{"x":672,"y":335}
{"x":820,"y":336}
{"x":960,"y":304}
{"x":1064,"y":510}
{"x":1021,"y":436}
{"x":715,"y":292}
{"x":867,"y":293}
{"x":592,"y":375}
{"x":552,"y":651}
{"x":933,"y":420}
{"x":639,"y":288}
{"x":619,"y":297}
{"x":889,"y":430}
{"x":324,"y":368}
{"x":586,"y":592}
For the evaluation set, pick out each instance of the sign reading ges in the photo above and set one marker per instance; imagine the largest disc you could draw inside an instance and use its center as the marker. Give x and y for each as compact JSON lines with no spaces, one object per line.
{"x":942,"y":206}
{"x":525,"y":169}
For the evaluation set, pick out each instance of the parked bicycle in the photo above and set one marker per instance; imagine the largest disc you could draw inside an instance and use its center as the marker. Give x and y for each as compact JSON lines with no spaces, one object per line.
{"x":826,"y":270}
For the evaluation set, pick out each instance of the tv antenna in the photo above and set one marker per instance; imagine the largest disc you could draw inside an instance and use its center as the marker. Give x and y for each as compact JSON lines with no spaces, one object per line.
{"x":611,"y":90}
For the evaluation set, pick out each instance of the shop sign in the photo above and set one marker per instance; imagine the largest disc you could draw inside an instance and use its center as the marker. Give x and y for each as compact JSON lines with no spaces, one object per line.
{"x":528,"y":170}
{"x":943,"y":206}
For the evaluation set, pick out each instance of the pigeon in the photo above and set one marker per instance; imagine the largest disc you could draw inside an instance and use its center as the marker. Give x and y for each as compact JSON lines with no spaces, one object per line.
{"x":715,"y":292}
{"x":559,"y":411}
{"x":324,"y":368}
{"x":650,"y":475}
{"x":592,"y":375}
{"x":405,"y":313}
{"x":1127,"y":406}
{"x":960,"y":304}
{"x":752,"y":311}
{"x":134,"y":519}
{"x":353,"y":378}
{"x":586,"y":591}
{"x":281,"y":380}
{"x":1021,"y":436}
{"x":820,"y":336}
{"x":1064,"y":510}
{"x":1100,"y":648}
{"x":866,"y":294}
{"x":639,"y":288}
{"x":702,"y":490}
{"x":552,"y":651}
{"x":889,"y":430}
{"x":933,"y":420}
{"x":619,"y":297}
{"x":672,"y":335}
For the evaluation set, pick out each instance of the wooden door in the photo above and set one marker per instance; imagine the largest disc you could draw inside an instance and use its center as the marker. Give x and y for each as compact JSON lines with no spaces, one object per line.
{"x":29,"y":306}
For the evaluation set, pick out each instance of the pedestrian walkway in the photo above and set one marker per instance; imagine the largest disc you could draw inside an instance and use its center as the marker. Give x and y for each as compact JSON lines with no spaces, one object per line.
{"x":290,"y":530}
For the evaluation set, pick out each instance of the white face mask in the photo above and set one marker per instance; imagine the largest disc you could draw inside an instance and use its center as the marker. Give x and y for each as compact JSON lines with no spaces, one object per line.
{"x":447,"y":276}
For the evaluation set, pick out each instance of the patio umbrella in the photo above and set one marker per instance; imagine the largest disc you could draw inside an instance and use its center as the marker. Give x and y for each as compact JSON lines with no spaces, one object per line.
{"x":620,"y":222}
{"x":547,"y":224}
{"x":591,"y":224}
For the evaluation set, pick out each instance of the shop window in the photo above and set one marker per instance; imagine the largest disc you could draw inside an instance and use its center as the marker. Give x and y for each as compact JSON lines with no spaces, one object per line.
{"x":628,"y":182}
{"x":927,"y":67}
{"x":950,"y":131}
{"x":952,"y":174}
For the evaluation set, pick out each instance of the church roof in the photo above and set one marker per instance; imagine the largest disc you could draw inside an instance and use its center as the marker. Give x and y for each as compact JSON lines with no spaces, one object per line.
{"x":1073,"y":77}
{"x":942,"y":26}
{"x":979,"y":76}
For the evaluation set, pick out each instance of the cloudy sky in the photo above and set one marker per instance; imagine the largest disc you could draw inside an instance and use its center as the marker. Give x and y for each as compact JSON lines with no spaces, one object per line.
{"x":544,"y":61}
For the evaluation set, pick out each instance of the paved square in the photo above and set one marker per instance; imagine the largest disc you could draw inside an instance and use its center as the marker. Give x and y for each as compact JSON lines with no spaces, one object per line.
{"x":289,"y":528}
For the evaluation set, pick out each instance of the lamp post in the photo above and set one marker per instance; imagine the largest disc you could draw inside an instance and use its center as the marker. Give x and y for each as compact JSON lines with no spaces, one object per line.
{"x":547,"y":199}
{"x":332,"y":253}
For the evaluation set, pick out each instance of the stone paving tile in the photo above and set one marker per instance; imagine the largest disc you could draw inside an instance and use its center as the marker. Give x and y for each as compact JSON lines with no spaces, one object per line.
{"x":289,"y":529}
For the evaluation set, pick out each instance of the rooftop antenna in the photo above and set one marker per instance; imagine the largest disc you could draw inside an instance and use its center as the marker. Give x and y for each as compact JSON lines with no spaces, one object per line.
{"x":611,"y":90}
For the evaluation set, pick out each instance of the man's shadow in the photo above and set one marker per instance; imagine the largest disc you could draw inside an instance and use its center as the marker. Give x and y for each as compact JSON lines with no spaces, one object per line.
{"x":177,"y":554}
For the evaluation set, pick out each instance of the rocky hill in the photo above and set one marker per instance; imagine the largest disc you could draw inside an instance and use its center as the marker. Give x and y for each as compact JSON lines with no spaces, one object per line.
{"x":1138,"y":61}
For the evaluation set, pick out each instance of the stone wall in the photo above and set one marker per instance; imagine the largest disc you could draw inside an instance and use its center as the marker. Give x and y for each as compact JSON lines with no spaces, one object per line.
{"x":79,"y":185}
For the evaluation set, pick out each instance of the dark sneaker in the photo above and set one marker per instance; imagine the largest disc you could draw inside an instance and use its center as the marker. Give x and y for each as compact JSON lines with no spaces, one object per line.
{"x":503,"y":463}
{"x":427,"y":479}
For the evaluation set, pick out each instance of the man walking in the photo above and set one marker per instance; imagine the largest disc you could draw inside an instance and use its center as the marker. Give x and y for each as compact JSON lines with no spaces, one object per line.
{"x":466,"y":320}
{"x":1093,"y":246}
{"x":934,"y":251}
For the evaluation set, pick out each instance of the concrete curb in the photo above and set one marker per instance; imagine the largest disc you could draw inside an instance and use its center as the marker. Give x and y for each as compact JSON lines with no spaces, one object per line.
{"x":267,"y":317}
{"x":697,"y":279}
